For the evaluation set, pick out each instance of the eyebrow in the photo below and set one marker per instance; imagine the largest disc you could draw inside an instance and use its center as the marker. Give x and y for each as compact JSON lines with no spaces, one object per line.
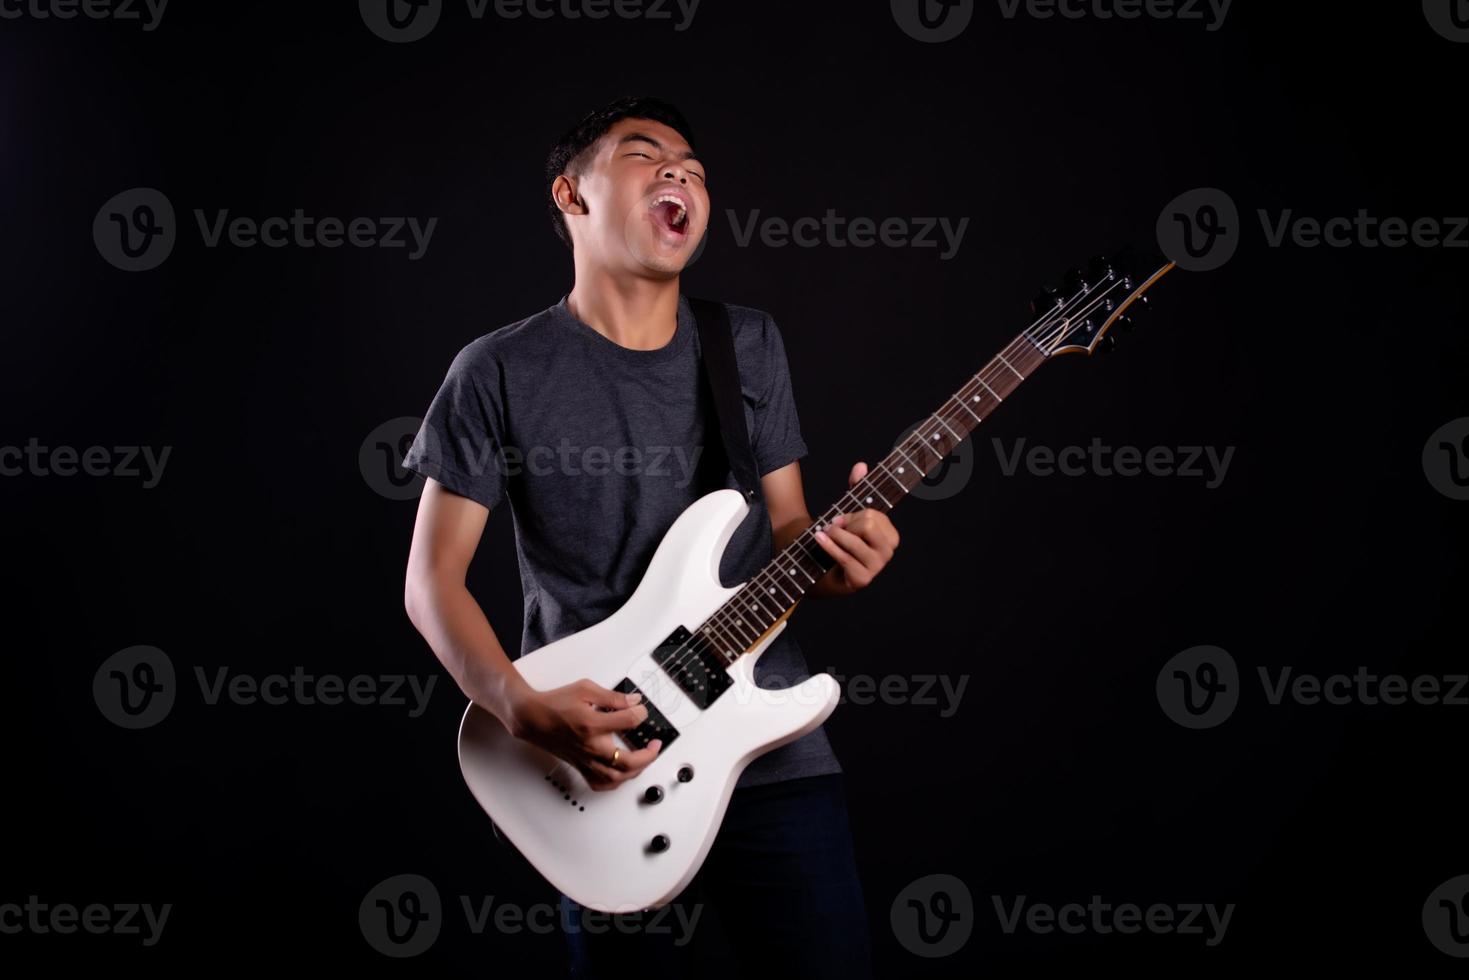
{"x":630,"y":137}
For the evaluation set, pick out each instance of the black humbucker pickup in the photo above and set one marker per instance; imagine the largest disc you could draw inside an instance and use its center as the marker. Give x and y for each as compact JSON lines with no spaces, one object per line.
{"x":653,"y":726}
{"x":696,"y":667}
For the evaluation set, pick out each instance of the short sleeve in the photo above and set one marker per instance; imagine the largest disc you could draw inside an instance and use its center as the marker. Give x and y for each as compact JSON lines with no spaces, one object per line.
{"x":461,"y":442}
{"x":777,"y":440}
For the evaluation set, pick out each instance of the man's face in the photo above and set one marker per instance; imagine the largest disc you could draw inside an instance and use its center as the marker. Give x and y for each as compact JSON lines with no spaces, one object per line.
{"x":646,"y":206}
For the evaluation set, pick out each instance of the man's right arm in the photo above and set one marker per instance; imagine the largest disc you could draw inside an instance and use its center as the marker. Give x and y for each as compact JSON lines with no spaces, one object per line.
{"x":574,"y":722}
{"x":445,"y":536}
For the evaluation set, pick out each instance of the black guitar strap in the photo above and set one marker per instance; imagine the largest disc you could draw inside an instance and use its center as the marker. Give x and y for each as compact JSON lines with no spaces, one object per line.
{"x":716,"y":346}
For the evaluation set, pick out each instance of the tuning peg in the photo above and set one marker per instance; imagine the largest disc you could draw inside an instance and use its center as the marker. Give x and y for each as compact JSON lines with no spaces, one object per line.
{"x":1107,"y":344}
{"x":1125,"y":322}
{"x":1075,"y":282}
{"x":1142,"y":304}
{"x":1101,"y":267}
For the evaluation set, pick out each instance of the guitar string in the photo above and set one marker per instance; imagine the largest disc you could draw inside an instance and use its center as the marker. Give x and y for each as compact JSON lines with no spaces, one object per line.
{"x":1060,"y":318}
{"x":1050,"y":327}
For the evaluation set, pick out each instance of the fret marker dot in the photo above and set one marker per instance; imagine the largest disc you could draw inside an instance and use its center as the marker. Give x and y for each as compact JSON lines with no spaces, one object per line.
{"x":772,"y":590}
{"x":900,"y":469}
{"x":869,"y":500}
{"x":935,"y":437}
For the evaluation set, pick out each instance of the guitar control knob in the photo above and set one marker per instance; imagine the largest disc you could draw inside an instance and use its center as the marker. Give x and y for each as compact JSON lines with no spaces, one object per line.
{"x":654,"y":794}
{"x":658,"y":844}
{"x":685,"y":773}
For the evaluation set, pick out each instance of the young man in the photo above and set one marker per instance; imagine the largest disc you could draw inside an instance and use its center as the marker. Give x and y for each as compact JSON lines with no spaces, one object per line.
{"x":590,"y":420}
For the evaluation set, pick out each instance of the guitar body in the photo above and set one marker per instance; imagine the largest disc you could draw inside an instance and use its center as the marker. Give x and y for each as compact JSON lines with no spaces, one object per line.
{"x":615,"y":850}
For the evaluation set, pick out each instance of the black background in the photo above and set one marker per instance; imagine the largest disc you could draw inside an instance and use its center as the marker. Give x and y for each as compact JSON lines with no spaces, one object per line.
{"x":1059,"y":598}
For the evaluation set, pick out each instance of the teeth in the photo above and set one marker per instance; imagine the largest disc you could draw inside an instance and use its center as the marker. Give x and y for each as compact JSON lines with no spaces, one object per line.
{"x":680,"y":214}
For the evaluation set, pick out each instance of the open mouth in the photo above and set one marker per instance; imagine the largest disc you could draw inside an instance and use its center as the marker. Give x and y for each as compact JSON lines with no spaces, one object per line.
{"x":672,"y":215}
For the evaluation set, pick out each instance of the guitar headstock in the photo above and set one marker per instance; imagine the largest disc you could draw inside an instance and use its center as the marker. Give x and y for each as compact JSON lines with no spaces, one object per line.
{"x":1081,"y":316}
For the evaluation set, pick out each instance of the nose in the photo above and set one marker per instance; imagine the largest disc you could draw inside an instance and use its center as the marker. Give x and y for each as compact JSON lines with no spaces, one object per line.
{"x":676,"y":173}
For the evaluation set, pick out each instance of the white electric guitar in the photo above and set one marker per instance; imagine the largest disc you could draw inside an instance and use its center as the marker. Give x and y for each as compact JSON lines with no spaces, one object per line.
{"x":689,"y":646}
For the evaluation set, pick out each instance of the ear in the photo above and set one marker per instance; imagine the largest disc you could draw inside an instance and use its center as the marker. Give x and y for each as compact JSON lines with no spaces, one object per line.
{"x":563,"y":192}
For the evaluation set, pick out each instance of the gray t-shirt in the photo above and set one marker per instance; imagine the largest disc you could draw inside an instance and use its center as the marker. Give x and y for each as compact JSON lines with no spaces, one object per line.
{"x":598,"y":449}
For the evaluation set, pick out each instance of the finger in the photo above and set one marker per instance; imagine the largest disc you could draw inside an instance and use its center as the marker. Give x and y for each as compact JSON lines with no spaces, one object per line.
{"x":853,"y":544}
{"x":615,"y":721}
{"x":599,"y":696}
{"x":632,"y":763}
{"x":849,"y":564}
{"x":855,"y":477}
{"x":874,"y":528}
{"x":600,"y":771}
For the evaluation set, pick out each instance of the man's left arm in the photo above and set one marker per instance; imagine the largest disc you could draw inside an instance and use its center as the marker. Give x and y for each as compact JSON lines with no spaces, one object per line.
{"x":862,"y":542}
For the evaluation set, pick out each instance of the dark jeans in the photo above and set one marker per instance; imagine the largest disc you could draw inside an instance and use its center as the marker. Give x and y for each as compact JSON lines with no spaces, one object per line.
{"x":777,"y":896}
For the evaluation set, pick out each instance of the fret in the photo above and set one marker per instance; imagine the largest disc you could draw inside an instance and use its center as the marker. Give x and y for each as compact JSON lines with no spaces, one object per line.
{"x":967,"y":409}
{"x":988,"y":388}
{"x":957,"y":437}
{"x":1001,"y":359}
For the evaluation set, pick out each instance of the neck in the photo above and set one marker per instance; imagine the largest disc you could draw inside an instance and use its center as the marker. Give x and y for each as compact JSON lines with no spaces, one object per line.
{"x":772,"y":594}
{"x":633,"y":312}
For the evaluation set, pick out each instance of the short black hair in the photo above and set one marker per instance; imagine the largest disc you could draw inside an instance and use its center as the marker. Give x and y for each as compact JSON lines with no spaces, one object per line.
{"x":566,"y":152}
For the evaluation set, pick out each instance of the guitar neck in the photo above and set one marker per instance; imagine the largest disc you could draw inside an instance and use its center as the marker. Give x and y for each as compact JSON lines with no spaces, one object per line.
{"x":770,"y":596}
